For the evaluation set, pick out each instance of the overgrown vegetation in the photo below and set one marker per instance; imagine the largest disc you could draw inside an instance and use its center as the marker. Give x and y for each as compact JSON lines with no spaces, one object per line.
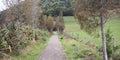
{"x":112,"y":48}
{"x":12,"y":43}
{"x":53,"y":7}
{"x":83,"y":41}
{"x":101,"y":9}
{"x":16,"y":31}
{"x":31,"y":52}
{"x":25,"y":22}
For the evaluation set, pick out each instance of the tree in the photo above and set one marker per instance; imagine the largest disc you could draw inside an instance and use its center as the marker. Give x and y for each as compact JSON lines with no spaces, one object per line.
{"x":96,"y":8}
{"x":53,"y":7}
{"x":34,"y":10}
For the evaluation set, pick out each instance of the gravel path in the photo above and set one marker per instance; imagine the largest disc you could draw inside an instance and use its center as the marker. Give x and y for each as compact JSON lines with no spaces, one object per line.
{"x":53,"y":50}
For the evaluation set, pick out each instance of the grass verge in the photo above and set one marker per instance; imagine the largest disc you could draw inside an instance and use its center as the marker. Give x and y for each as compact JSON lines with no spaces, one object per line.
{"x":80,"y":49}
{"x":31,"y":51}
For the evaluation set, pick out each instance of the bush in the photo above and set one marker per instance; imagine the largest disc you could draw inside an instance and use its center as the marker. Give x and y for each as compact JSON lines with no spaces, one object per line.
{"x":12,"y":39}
{"x":111,"y":47}
{"x":40,"y":35}
{"x":8,"y":38}
{"x":49,"y":23}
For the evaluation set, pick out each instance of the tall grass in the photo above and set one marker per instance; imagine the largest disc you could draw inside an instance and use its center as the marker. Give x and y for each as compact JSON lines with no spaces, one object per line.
{"x":72,"y":28}
{"x":31,"y":52}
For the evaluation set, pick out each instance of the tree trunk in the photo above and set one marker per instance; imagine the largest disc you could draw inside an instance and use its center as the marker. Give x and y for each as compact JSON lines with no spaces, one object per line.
{"x":103,"y":38}
{"x":34,"y":12}
{"x":18,"y":24}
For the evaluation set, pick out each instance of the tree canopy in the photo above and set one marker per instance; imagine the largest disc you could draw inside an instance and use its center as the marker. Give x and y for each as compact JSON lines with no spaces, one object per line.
{"x":88,"y":11}
{"x":53,"y":7}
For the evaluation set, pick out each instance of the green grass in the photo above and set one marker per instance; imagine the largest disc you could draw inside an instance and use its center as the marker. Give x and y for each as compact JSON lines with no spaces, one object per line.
{"x":114,"y":25}
{"x":75,"y":50}
{"x":70,"y":24}
{"x":73,"y":28}
{"x":32,"y":51}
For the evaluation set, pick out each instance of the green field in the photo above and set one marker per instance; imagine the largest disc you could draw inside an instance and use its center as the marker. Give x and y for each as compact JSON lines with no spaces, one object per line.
{"x":72,"y":28}
{"x":114,"y":25}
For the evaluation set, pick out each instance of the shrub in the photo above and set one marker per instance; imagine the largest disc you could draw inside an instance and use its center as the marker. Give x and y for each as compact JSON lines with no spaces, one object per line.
{"x":13,"y":40}
{"x":49,"y":24}
{"x":9,"y":38}
{"x":111,"y":47}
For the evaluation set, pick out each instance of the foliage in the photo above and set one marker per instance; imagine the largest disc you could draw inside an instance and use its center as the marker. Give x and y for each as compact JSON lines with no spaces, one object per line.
{"x":53,"y":7}
{"x":111,"y":47}
{"x":60,"y":24}
{"x":16,"y":31}
{"x":83,"y":47}
{"x":12,"y":41}
{"x":88,"y":24}
{"x":97,"y":8}
{"x":88,"y":11}
{"x":43,"y":22}
{"x":76,"y":50}
{"x":110,"y":43}
{"x":54,"y":24}
{"x":33,"y":49}
{"x":49,"y":23}
{"x":9,"y":38}
{"x":72,"y":28}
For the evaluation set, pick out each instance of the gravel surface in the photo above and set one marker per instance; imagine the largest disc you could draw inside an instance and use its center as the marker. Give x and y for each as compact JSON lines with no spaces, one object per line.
{"x":53,"y":50}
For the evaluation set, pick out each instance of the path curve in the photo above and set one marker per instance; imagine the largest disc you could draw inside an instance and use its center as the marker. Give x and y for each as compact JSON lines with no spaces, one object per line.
{"x":53,"y":50}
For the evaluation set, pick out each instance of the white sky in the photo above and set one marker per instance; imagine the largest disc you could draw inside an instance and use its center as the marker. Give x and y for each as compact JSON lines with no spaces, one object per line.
{"x":2,"y":6}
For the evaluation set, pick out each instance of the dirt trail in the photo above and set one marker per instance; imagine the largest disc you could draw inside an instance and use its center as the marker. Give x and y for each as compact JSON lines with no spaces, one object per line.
{"x":53,"y":50}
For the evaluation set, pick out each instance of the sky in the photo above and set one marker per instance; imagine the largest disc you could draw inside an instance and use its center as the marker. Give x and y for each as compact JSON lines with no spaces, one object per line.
{"x":2,"y":6}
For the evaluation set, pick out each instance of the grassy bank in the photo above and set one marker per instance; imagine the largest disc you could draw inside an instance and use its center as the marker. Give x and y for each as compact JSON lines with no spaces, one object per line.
{"x":114,"y":25}
{"x":34,"y":48}
{"x":31,"y":52}
{"x":84,"y":44}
